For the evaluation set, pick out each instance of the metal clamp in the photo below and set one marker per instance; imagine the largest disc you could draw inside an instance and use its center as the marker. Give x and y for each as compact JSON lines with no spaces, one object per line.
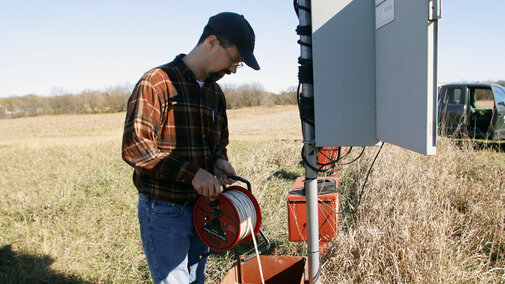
{"x":435,"y":10}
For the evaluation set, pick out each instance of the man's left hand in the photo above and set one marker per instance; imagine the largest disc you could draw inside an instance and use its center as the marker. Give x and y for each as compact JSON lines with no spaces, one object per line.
{"x":223,"y":169}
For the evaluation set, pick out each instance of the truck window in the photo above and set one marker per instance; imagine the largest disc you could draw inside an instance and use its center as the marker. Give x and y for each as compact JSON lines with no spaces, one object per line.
{"x":481,"y":98}
{"x":500,"y":95}
{"x":452,"y":96}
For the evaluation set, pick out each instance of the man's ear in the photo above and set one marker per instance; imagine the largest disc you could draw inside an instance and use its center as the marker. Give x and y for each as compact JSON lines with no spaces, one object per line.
{"x":211,"y":41}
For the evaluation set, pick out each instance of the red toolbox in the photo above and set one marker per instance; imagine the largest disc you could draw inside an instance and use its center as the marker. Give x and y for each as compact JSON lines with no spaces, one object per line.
{"x":328,"y":208}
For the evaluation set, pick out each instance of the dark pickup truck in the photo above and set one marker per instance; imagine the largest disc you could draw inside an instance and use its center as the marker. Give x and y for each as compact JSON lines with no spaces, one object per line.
{"x":472,"y":110}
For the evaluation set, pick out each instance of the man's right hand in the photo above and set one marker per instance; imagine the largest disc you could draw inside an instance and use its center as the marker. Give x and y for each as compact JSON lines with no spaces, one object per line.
{"x":206,"y":183}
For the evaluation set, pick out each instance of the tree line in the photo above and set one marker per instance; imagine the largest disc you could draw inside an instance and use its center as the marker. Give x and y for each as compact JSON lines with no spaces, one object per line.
{"x":115,"y":99}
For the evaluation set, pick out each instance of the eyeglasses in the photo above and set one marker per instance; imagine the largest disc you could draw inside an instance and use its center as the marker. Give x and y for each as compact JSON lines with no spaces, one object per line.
{"x":236,"y":65}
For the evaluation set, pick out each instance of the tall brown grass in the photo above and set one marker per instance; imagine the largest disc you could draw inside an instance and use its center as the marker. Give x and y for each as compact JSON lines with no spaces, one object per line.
{"x":437,"y":219}
{"x":68,"y":211}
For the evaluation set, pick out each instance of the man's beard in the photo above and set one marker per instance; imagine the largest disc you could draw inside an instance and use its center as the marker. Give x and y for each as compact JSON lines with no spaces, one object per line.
{"x":215,"y":76}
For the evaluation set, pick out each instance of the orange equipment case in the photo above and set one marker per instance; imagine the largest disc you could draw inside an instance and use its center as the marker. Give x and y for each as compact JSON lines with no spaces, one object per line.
{"x":297,"y":212}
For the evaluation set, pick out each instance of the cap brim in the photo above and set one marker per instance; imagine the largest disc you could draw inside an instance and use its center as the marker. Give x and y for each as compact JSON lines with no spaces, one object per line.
{"x":248,"y":58}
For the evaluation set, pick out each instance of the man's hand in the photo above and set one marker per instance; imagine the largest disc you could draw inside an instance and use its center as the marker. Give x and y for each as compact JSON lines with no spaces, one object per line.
{"x":206,"y":184}
{"x":223,"y":169}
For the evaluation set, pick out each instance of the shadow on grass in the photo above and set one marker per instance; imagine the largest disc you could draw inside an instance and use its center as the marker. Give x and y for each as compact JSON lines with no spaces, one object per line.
{"x":481,"y":144}
{"x":285,"y":175}
{"x":23,"y":268}
{"x":496,"y":146}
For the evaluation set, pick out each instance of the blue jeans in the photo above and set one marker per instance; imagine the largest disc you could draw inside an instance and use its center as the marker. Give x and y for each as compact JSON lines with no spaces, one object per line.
{"x":170,"y":242}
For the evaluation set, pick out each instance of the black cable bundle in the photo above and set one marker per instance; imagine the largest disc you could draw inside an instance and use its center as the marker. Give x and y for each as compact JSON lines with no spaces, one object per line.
{"x":305,"y":72}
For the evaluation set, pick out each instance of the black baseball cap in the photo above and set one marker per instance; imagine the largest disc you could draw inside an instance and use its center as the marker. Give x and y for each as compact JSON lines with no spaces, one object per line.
{"x":235,"y":28}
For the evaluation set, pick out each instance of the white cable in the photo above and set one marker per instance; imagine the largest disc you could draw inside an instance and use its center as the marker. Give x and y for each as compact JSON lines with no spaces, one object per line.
{"x":246,"y":211}
{"x":257,"y":255}
{"x":248,"y":218}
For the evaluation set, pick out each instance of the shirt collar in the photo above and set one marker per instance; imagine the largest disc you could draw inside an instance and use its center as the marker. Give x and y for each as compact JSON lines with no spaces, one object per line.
{"x":186,"y":72}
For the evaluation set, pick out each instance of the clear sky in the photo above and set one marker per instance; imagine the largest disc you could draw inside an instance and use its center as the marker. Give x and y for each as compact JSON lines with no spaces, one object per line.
{"x":47,"y":47}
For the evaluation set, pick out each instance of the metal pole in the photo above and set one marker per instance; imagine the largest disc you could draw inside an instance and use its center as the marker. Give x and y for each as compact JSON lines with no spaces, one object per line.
{"x":310,"y":153}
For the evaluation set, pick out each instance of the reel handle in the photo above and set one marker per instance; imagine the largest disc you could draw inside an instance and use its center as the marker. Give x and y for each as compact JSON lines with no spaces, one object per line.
{"x":237,"y":178}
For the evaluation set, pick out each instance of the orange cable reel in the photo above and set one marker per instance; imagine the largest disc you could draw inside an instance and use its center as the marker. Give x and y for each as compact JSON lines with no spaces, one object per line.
{"x":223,"y":221}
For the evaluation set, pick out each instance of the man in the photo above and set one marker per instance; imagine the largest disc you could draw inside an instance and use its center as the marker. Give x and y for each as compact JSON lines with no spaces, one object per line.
{"x":175,"y":137}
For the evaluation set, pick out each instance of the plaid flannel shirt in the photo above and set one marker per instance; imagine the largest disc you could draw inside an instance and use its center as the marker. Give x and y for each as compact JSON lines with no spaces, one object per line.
{"x":172,"y":128}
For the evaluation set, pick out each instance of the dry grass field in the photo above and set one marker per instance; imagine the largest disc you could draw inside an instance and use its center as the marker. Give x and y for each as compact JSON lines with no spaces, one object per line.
{"x":256,"y":123}
{"x":68,"y":207}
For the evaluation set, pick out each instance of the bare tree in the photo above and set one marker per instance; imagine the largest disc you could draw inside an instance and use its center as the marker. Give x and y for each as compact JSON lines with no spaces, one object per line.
{"x":31,"y":105}
{"x":251,"y":93}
